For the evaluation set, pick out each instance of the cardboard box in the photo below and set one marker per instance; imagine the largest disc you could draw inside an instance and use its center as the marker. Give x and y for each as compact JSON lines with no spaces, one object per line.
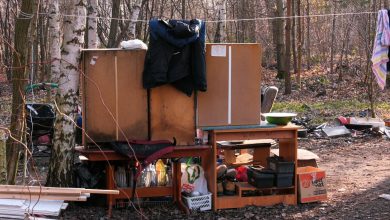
{"x":312,"y":184}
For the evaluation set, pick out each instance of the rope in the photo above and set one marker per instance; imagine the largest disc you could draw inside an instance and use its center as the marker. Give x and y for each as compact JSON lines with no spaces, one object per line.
{"x":216,"y":21}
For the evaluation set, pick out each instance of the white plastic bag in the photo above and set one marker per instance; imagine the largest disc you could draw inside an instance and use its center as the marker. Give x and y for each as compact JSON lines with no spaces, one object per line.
{"x":192,"y":179}
{"x":133,"y":44}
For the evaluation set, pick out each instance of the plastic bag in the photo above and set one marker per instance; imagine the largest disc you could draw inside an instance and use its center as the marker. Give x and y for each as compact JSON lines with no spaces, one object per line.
{"x":133,"y":44}
{"x":161,"y":173}
{"x":193,"y":179}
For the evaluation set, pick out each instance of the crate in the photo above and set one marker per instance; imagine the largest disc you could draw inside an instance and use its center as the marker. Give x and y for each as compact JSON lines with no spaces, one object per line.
{"x":260,"y":178}
{"x":201,"y":203}
{"x":284,"y":180}
{"x":279,"y":165}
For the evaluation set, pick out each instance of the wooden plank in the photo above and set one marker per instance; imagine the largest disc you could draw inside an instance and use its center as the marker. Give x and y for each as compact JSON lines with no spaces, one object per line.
{"x":43,"y":197}
{"x":213,"y":104}
{"x":246,"y":73}
{"x":53,"y":190}
{"x":99,"y":93}
{"x":144,"y":192}
{"x":100,"y":191}
{"x":172,"y":114}
{"x":132,"y":97}
{"x":228,"y":202}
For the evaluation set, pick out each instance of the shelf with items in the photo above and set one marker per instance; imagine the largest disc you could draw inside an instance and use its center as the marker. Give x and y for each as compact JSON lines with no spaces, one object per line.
{"x":287,"y":140}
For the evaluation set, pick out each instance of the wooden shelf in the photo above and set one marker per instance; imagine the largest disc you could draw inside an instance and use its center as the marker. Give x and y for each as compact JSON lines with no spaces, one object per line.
{"x":143,"y":192}
{"x":228,"y":202}
{"x":245,"y":186}
{"x":287,"y":139}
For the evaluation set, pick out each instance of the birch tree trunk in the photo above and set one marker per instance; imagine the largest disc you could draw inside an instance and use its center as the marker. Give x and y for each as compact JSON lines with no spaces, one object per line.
{"x":55,"y":48}
{"x":92,"y":38}
{"x":19,"y":79}
{"x":134,"y":16}
{"x":61,"y":161}
{"x":220,"y":33}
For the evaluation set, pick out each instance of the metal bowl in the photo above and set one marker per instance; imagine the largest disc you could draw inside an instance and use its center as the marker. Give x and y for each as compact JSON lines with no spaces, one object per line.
{"x":279,"y":118}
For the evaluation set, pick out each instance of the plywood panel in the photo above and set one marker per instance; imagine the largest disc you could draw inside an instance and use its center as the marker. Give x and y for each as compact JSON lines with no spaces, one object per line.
{"x":244,"y":97}
{"x":118,"y":75}
{"x":133,"y":107}
{"x":99,"y":77}
{"x":172,"y":114}
{"x":213,"y":104}
{"x":246,"y":65}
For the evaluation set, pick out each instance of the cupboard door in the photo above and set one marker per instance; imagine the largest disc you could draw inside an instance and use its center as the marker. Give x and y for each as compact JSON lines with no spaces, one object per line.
{"x":233,"y":85}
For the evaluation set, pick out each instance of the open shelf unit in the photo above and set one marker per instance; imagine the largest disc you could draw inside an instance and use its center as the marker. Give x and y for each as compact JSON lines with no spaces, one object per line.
{"x":287,"y":139}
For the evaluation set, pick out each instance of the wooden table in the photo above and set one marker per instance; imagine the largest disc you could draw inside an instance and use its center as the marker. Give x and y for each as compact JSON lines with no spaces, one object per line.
{"x":109,"y":156}
{"x":287,"y":138}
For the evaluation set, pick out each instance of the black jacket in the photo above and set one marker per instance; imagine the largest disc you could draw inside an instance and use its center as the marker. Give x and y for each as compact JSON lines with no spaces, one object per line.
{"x":176,"y":55}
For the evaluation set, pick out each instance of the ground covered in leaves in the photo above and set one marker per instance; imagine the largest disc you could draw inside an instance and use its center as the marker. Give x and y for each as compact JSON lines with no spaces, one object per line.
{"x":357,"y":167}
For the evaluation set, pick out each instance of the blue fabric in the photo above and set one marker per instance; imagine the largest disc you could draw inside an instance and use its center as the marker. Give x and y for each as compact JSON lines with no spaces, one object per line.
{"x":159,"y":29}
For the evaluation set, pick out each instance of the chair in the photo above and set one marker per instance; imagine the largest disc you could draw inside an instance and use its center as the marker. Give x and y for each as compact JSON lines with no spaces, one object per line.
{"x":268,"y":95}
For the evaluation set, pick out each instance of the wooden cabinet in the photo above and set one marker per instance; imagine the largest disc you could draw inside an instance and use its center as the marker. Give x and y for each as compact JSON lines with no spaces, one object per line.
{"x":233,"y":85}
{"x":114,"y":101}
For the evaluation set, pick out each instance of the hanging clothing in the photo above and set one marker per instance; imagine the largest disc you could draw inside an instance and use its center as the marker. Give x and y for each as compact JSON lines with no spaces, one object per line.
{"x":176,"y":55}
{"x":380,"y":55}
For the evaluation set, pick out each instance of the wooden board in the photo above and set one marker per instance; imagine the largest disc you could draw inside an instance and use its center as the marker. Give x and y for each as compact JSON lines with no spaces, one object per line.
{"x":233,"y":78}
{"x":112,"y":91}
{"x":172,"y":114}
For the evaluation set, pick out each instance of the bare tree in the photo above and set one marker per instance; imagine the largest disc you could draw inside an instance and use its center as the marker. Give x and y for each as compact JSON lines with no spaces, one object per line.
{"x":92,"y":38}
{"x":55,"y":49}
{"x":61,"y":161}
{"x":134,"y":17}
{"x":287,"y":78}
{"x":220,"y":34}
{"x":112,"y":37}
{"x":308,"y":54}
{"x":19,"y":76}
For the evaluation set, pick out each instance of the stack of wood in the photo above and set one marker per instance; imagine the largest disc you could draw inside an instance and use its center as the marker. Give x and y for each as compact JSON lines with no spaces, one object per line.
{"x":20,"y":201}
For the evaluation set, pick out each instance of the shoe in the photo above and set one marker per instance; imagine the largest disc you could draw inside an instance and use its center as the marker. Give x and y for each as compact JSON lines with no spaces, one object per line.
{"x":231,"y":173}
{"x":221,"y":171}
{"x":229,"y":188}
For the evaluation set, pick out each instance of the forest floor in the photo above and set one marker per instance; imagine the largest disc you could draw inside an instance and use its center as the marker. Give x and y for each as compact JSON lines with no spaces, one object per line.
{"x":357,"y":167}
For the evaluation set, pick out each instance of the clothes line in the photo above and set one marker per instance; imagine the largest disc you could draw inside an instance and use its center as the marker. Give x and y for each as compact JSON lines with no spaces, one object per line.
{"x":215,"y":21}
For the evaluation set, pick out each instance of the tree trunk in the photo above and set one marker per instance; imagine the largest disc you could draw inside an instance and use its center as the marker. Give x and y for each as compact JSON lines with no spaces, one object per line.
{"x":61,"y":161}
{"x":3,"y":161}
{"x":300,"y":43}
{"x":332,"y":47}
{"x":220,"y":33}
{"x":308,"y":55}
{"x":287,"y":79}
{"x":134,"y":16}
{"x":293,"y":38}
{"x":92,"y":38}
{"x":183,"y":9}
{"x":112,"y":40}
{"x":278,"y":35}
{"x":55,"y":49}
{"x":19,"y":79}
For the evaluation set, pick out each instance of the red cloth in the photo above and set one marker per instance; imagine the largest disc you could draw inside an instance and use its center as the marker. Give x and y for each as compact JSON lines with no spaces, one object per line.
{"x":242,"y":174}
